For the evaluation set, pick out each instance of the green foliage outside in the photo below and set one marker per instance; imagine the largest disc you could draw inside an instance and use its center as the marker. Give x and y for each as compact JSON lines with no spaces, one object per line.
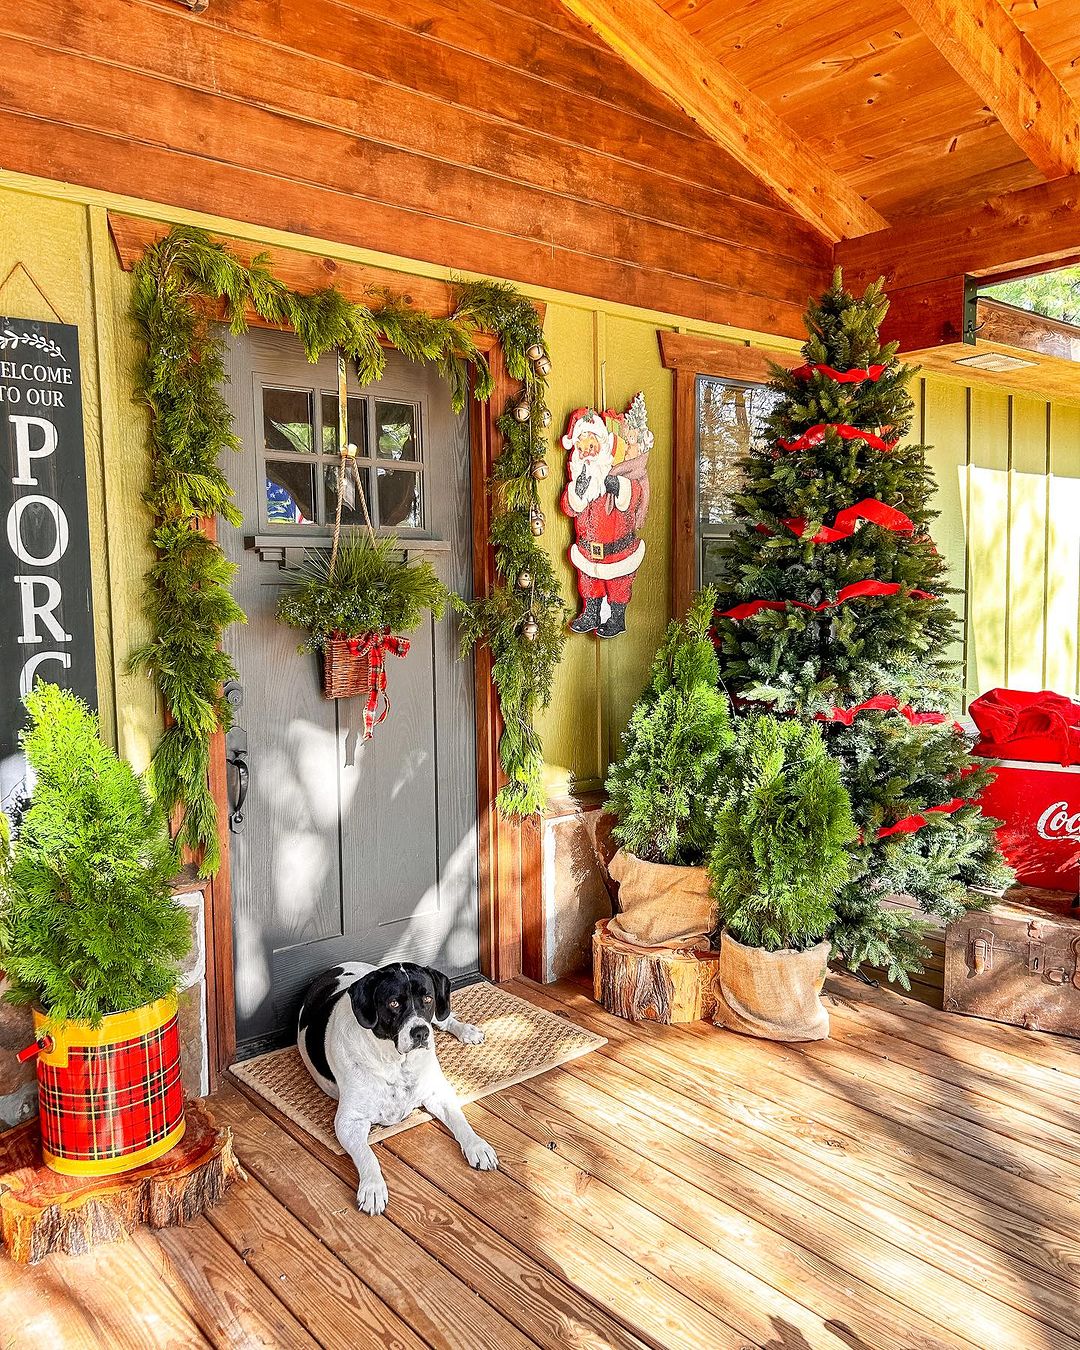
{"x":88,"y":925}
{"x":1055,"y":294}
{"x":176,"y":285}
{"x":369,"y":588}
{"x":804,"y":662}
{"x":667,"y":788}
{"x":782,"y":835}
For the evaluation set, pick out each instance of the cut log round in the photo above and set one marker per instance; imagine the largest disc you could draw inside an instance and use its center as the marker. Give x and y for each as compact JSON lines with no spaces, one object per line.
{"x":42,"y":1211}
{"x":652,"y":984}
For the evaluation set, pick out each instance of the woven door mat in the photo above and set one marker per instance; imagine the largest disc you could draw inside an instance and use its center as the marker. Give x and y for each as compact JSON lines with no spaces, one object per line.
{"x":520,"y":1042}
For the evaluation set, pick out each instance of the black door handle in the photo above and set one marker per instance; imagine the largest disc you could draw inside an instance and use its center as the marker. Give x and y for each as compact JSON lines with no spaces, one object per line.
{"x":238,"y":761}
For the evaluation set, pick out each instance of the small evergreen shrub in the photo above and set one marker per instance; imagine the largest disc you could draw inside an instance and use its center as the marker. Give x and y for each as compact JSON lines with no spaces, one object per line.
{"x":88,"y":925}
{"x":368,"y":589}
{"x":781,"y":854}
{"x":664,"y":790}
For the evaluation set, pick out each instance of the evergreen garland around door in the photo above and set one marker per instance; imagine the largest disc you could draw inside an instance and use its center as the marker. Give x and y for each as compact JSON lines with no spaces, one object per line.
{"x":188,"y":601}
{"x":834,"y":608}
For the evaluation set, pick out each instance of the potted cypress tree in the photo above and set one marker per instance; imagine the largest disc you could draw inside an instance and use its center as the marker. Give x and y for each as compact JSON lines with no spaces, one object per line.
{"x":91,"y":937}
{"x":779,"y":860}
{"x":664,"y":790}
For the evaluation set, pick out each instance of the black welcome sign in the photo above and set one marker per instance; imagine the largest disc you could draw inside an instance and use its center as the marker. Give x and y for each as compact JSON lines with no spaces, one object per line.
{"x":46,"y":612}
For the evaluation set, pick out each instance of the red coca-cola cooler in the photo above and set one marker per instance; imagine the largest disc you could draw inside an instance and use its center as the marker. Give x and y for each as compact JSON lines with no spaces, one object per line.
{"x":1036,"y":787}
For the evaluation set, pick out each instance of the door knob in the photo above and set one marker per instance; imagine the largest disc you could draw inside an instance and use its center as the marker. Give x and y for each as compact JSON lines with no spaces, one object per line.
{"x":236,"y":758}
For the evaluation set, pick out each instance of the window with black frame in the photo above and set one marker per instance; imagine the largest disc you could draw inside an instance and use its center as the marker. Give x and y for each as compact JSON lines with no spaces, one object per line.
{"x":730,"y":422}
{"x":300,"y":460}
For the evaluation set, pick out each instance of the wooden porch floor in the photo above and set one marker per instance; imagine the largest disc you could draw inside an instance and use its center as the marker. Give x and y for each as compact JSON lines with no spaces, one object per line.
{"x":913,"y":1182}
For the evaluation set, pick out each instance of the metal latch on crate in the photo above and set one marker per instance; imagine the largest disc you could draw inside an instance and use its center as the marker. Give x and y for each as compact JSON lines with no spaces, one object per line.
{"x":982,"y":951}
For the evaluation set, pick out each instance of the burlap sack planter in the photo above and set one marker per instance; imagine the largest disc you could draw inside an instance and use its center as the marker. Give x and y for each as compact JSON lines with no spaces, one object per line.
{"x":773,"y":995}
{"x":660,"y":904}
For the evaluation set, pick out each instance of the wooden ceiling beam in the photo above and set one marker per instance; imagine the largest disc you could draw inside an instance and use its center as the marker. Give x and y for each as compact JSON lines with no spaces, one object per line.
{"x":661,"y":50}
{"x":1032,"y":228}
{"x":990,"y":53}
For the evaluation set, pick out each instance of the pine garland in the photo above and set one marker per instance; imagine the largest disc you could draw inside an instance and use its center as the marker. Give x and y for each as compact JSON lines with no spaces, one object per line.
{"x":188,"y":600}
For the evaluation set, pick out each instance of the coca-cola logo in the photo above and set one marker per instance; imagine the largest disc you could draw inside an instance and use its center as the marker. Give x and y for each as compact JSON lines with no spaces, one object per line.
{"x":1056,"y":822}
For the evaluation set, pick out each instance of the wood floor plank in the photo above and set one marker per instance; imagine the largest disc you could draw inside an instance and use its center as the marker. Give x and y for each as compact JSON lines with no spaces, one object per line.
{"x":437,"y":1305}
{"x":553,"y":1313}
{"x":809,"y":1302}
{"x":222,"y":1296}
{"x":1008,"y":1068}
{"x":121,"y":1296}
{"x":595,"y":1093}
{"x":652,"y":1308}
{"x":38,"y":1309}
{"x":319,"y":1290}
{"x":1054,"y":1054}
{"x":862,"y":1181}
{"x":1024,"y":1178}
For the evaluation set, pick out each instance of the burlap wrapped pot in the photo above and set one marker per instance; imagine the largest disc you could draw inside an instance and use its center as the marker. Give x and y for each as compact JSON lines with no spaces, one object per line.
{"x":660,"y":904}
{"x":773,"y":995}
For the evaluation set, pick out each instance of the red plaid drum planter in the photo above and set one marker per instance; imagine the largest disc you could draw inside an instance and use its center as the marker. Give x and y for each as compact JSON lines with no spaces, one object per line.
{"x":110,"y":1097}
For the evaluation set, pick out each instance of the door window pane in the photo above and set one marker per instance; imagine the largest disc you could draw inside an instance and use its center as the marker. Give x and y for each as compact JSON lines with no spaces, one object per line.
{"x":397,"y":431}
{"x":730,"y":422}
{"x":352,"y":513}
{"x":290,"y":492}
{"x":288,"y":425}
{"x":399,"y":498}
{"x":357,"y":429}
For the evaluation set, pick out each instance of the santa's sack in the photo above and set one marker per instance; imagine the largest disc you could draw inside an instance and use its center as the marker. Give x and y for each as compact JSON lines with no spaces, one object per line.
{"x":773,"y":995}
{"x":660,"y":904}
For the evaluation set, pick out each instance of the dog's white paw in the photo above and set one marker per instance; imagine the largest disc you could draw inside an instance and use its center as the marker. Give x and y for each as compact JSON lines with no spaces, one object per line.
{"x":372,"y":1196}
{"x":481,"y":1156}
{"x":470,"y":1035}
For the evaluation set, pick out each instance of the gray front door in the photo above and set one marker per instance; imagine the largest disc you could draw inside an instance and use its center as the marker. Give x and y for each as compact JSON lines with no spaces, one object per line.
{"x":349,"y":849}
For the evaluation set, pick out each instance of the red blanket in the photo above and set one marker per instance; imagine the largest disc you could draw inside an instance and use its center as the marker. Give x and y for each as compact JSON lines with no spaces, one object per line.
{"x":1043,"y":727}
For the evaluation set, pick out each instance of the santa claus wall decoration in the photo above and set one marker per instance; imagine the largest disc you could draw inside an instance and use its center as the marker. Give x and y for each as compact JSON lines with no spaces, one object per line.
{"x":607,"y":497}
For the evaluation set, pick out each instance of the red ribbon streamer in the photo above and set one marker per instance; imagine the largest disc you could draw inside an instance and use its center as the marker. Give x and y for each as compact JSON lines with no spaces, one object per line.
{"x":912,"y":823}
{"x":846,"y":522}
{"x":882,"y":703}
{"x":816,"y":434}
{"x":856,"y":589}
{"x":375,"y":648}
{"x":853,"y":376}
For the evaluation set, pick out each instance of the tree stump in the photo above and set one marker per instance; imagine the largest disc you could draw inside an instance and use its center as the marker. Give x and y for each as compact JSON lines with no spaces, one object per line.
{"x":652,"y":984}
{"x":42,"y":1211}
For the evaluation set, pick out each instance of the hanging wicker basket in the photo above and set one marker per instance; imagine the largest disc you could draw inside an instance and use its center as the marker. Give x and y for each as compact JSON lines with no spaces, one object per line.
{"x":346,"y":666}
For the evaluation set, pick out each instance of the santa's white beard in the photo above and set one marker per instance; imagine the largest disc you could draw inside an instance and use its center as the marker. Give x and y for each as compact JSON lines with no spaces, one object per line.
{"x":597,"y":468}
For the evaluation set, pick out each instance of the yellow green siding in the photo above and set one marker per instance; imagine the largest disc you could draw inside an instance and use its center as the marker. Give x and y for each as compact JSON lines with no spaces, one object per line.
{"x":1008,"y":467}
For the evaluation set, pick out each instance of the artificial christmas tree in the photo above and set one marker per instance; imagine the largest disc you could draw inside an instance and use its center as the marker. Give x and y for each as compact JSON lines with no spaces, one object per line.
{"x":835,"y":608}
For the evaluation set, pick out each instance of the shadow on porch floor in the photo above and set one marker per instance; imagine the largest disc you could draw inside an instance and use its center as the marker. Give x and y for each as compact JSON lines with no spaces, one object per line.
{"x":910,"y":1182}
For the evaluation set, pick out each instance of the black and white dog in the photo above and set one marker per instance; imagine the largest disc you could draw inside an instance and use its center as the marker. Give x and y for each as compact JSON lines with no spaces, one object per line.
{"x":365,"y":1035}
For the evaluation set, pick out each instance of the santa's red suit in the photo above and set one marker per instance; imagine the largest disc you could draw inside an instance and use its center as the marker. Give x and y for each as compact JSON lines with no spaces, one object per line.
{"x":605,"y":507}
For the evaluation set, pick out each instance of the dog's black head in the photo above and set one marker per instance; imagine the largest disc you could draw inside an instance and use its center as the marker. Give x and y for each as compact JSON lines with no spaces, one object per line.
{"x":399,"y":1002}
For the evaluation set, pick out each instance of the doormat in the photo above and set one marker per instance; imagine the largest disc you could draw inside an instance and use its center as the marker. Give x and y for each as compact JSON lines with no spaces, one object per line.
{"x":520,"y":1042}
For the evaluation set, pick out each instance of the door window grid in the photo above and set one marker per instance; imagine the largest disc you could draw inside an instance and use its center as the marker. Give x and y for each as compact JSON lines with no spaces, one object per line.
{"x":730,"y":422}
{"x":300,"y":485}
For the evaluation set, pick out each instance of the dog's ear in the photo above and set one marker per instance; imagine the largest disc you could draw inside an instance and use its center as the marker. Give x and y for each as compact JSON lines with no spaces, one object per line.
{"x":362,"y":994}
{"x":442,"y":994}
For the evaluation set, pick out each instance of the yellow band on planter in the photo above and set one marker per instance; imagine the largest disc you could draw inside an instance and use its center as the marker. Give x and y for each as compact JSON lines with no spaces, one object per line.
{"x":123,"y":1026}
{"x":105,"y":1167}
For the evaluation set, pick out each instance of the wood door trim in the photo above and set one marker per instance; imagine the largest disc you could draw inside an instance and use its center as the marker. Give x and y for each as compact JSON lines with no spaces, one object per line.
{"x":498,"y":839}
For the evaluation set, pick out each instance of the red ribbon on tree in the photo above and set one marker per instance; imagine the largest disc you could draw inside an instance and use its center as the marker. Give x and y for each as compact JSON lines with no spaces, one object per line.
{"x":853,"y":376}
{"x":846,"y":522}
{"x":852,"y":592}
{"x":912,"y":823}
{"x":375,"y":647}
{"x":882,"y":703}
{"x":816,"y":434}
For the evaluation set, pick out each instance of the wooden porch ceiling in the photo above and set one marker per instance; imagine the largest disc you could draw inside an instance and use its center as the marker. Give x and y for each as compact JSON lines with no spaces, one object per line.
{"x":910,"y":1181}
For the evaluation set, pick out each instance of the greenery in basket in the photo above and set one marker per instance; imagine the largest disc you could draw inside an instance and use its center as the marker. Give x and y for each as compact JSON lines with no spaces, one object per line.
{"x":781,"y":851}
{"x":367,"y":588}
{"x":665,"y":789}
{"x":88,"y":925}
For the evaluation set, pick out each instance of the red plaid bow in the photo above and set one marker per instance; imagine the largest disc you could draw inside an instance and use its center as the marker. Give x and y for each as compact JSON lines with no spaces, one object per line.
{"x":375,"y":647}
